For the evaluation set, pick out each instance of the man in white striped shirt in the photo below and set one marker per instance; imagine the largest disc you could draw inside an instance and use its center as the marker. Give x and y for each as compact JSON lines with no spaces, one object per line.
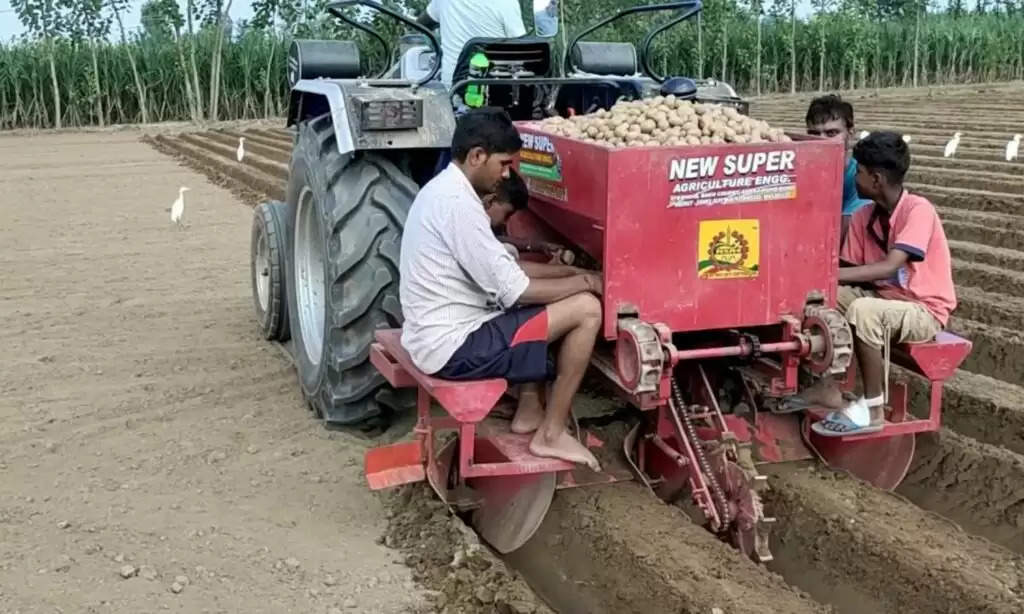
{"x":472,"y":312}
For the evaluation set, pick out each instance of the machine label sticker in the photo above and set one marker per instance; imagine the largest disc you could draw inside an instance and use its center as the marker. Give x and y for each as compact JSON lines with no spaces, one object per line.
{"x":728,"y":249}
{"x":546,"y":188}
{"x":539,"y":159}
{"x":706,"y":181}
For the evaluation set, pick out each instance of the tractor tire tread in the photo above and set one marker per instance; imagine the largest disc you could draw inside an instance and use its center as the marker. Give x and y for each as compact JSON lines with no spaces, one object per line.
{"x":367,"y":201}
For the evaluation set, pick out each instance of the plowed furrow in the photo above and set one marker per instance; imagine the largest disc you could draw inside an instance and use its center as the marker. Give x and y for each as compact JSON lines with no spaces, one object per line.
{"x":252,"y":146}
{"x":249,"y":184}
{"x":252,"y":136}
{"x":227,"y":154}
{"x":879,"y":553}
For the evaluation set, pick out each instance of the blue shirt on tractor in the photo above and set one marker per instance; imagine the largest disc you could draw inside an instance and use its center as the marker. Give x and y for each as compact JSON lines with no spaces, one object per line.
{"x":851,"y":200}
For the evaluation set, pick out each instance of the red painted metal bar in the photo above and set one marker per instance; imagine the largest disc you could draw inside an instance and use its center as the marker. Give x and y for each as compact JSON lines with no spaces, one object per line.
{"x":669,"y":451}
{"x":744,"y":348}
{"x":490,"y":470}
{"x":935,"y":416}
{"x":467,"y":439}
{"x":894,"y":428}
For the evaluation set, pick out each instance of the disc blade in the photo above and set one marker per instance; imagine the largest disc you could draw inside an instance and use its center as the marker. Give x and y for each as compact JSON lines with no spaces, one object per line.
{"x":512,"y":508}
{"x":882,"y":462}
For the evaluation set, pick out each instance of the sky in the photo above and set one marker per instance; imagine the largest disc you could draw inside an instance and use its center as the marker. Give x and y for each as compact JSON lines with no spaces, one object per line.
{"x":11,"y":27}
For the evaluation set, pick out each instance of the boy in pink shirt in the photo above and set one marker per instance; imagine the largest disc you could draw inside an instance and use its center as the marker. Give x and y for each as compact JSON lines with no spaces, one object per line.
{"x":896,"y":279}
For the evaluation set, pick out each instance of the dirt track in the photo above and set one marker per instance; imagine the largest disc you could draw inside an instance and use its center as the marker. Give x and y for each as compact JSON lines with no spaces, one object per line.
{"x":142,"y":421}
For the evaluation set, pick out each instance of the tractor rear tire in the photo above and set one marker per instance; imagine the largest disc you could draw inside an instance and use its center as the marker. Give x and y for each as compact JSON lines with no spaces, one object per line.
{"x":267,"y":266}
{"x":348,"y":214}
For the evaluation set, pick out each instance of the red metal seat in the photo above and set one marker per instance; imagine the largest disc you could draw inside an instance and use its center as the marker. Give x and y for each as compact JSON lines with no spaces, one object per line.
{"x":936,"y":360}
{"x":485,"y":450}
{"x":466,"y":401}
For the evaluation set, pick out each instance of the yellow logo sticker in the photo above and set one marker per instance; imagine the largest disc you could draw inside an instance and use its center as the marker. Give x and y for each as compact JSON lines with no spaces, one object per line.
{"x":728,"y":249}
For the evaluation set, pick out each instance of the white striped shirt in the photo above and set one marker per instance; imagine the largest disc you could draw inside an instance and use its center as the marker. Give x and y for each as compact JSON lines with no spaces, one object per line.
{"x":455,"y":274}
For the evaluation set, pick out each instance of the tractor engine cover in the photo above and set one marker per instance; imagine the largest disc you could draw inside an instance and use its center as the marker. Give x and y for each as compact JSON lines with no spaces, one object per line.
{"x":312,"y":59}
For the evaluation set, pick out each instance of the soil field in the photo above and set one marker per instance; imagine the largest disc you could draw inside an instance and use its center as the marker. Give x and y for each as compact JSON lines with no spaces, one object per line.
{"x":947,"y":541}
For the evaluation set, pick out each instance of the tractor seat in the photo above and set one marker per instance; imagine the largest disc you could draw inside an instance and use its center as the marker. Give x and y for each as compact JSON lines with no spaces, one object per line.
{"x":608,"y":59}
{"x":935,"y":360}
{"x":466,"y":401}
{"x":314,"y":59}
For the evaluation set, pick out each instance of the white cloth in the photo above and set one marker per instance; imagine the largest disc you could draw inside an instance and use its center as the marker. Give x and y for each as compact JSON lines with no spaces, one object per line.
{"x":462,"y":20}
{"x":455,"y":274}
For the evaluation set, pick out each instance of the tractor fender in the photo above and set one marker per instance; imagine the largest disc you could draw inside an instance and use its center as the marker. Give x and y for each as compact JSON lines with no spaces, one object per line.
{"x":312,"y":98}
{"x":342,"y":98}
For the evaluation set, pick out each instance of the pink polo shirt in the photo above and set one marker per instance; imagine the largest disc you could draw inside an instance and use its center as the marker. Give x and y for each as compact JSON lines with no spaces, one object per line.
{"x":915,"y":228}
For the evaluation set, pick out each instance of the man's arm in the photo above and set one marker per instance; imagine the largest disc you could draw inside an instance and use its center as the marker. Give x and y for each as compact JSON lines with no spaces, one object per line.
{"x":543,"y":270}
{"x":876,"y":271}
{"x":547,"y":291}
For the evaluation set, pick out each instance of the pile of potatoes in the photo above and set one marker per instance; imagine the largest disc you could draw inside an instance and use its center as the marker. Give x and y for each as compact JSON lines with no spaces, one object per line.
{"x":665,"y":121}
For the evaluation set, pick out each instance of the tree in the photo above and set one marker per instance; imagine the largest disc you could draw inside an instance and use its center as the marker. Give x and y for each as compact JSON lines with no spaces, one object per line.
{"x":44,"y":19}
{"x":118,"y":6}
{"x":190,"y":14}
{"x":758,"y":9}
{"x":792,"y":46}
{"x":92,"y":24}
{"x":919,"y":7}
{"x":221,"y":9}
{"x":157,"y":19}
{"x":821,"y":17}
{"x":162,"y":21}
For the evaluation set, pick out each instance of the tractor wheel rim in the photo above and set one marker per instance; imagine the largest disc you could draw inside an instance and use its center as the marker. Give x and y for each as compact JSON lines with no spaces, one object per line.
{"x":309,"y":276}
{"x":262,"y":271}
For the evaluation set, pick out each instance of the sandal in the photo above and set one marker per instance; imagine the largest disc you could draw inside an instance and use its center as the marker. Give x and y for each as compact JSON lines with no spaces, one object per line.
{"x":838,"y":424}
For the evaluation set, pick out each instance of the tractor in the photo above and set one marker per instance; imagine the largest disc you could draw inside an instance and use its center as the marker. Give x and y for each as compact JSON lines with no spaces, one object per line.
{"x":720,"y":281}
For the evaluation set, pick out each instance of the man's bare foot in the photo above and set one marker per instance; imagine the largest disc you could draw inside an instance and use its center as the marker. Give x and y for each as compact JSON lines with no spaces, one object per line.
{"x":529,"y":414}
{"x":563,"y":446}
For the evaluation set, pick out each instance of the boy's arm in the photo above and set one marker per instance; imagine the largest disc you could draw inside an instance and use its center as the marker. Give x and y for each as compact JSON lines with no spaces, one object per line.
{"x":910,"y":244}
{"x":876,"y":271}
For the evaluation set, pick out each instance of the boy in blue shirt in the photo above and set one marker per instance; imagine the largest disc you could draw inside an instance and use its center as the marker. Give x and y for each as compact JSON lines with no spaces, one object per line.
{"x":832,"y":117}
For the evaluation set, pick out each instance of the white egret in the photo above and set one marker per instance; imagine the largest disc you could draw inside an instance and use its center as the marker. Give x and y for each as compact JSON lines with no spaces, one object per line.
{"x":241,"y":148}
{"x":1013,"y":147}
{"x":178,"y":208}
{"x":952,"y":145}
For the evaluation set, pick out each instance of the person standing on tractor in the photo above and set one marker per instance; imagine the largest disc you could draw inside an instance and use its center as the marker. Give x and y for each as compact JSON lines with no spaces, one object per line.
{"x":896,"y":280}
{"x":464,"y":20}
{"x":832,"y":117}
{"x":472,"y":312}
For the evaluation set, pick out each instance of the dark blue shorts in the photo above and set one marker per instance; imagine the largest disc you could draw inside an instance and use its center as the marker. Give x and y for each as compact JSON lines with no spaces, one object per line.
{"x":513,"y":346}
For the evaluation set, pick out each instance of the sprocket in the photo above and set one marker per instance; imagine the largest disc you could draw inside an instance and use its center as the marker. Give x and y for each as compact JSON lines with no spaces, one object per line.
{"x":740,"y":483}
{"x":835,"y":352}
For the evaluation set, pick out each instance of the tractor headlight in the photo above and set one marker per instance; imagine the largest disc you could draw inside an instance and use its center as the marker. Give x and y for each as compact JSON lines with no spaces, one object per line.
{"x":390,"y":114}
